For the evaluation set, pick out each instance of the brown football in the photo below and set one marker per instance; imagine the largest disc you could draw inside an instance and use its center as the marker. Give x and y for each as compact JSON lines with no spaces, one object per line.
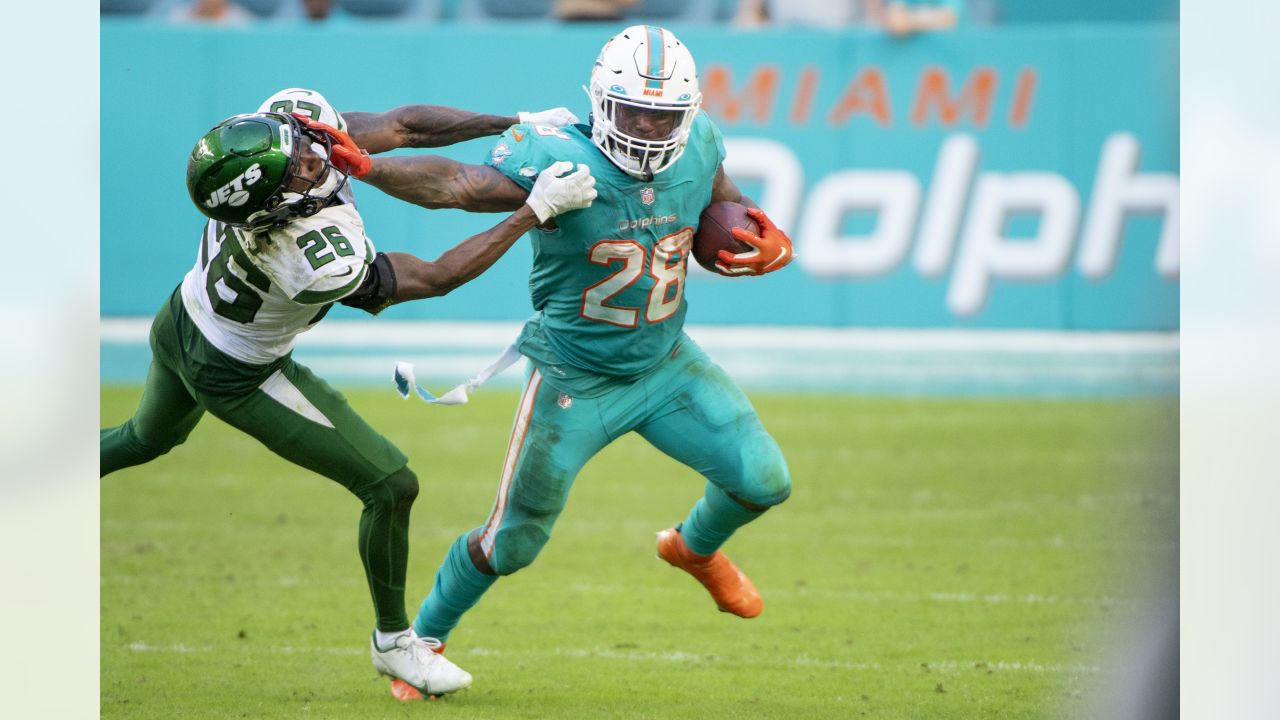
{"x":714,"y":232}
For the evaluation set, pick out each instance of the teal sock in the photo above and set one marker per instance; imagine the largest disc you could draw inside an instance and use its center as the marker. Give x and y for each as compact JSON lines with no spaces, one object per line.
{"x":713,"y":519}
{"x":459,"y":586}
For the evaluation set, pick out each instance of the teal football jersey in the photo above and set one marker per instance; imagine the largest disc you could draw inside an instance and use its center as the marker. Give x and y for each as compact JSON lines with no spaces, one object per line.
{"x":608,"y":283}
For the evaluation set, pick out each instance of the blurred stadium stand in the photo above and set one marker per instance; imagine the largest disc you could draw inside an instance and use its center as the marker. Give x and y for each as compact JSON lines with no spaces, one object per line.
{"x":503,"y":9}
{"x":1003,"y":11}
{"x":263,"y":8}
{"x":125,"y":7}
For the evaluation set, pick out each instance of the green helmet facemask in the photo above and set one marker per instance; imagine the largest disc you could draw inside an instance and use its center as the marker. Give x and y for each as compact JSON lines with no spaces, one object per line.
{"x":246,"y":171}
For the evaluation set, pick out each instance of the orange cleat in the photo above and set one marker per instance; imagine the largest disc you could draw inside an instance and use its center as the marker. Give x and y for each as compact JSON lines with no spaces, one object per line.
{"x":404,"y":692}
{"x":729,"y":587}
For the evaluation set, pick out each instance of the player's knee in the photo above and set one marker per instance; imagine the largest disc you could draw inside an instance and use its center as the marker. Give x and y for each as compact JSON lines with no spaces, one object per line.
{"x":516,"y":547}
{"x":395,"y":491}
{"x":154,"y":444}
{"x":402,"y":486}
{"x":768,"y":481}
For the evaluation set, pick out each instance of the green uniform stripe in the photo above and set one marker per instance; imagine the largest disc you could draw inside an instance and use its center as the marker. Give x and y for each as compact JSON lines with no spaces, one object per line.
{"x":315,"y":297}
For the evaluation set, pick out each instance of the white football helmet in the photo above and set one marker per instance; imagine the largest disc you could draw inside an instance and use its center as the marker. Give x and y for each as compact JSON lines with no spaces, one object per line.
{"x":315,"y":106}
{"x":644,"y":97}
{"x":308,"y":102}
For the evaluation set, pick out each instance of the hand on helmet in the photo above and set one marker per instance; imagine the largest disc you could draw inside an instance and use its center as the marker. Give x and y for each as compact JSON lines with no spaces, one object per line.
{"x":554,"y":192}
{"x":555,"y":117}
{"x":345,"y":154}
{"x":770,"y":250}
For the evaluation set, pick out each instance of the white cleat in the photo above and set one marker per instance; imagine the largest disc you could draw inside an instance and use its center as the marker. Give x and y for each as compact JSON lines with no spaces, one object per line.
{"x":415,"y":661}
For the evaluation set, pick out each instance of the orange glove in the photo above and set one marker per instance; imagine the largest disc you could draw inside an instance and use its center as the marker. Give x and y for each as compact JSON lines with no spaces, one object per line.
{"x":345,"y":154}
{"x":770,"y":250}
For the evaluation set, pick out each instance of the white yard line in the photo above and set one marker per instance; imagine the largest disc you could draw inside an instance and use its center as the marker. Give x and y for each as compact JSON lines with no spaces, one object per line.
{"x":672,"y":656}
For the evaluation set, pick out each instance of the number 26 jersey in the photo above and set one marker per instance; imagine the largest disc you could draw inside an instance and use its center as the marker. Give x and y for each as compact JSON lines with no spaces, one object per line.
{"x":252,"y":294}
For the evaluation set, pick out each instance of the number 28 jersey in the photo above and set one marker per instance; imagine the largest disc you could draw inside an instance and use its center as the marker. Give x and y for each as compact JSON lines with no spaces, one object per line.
{"x":608,"y":282}
{"x":252,"y":295}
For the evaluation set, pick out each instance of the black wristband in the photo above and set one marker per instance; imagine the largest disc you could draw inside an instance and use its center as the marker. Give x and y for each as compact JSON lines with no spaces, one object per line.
{"x":378,"y":288}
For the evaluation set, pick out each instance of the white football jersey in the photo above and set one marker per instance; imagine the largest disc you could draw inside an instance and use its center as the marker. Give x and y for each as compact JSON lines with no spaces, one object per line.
{"x":251,"y":295}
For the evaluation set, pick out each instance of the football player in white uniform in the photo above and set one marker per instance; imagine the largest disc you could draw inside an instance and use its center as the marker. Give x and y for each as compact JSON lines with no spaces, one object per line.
{"x":283,"y":243}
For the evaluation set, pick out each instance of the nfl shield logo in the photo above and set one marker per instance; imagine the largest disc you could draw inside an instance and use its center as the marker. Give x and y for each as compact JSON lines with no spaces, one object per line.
{"x":566,"y":402}
{"x":646,"y":196}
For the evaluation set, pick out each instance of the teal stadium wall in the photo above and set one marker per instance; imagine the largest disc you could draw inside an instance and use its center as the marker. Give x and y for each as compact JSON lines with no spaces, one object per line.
{"x":938,"y":182}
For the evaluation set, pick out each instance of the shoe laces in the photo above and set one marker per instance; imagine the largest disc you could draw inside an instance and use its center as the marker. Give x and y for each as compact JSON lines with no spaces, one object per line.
{"x":424,"y":649}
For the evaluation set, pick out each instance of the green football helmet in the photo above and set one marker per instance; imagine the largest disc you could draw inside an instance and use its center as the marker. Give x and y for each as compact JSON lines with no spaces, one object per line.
{"x":249,"y":171}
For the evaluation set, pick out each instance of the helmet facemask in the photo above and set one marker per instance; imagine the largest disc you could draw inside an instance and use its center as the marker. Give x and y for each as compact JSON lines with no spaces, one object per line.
{"x":641,"y":138}
{"x":261,"y":171}
{"x":311,"y":182}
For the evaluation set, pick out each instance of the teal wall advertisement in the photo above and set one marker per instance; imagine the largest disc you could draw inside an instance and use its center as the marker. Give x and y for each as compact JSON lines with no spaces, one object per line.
{"x":1018,"y":177}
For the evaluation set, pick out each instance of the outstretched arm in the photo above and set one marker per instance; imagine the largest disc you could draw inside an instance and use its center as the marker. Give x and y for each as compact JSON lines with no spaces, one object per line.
{"x":460,"y":264}
{"x":397,"y":277}
{"x":421,"y":126}
{"x":436,"y":182}
{"x":434,"y":126}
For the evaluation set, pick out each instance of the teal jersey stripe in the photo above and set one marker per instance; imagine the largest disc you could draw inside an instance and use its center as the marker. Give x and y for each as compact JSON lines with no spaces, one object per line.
{"x":655,"y":57}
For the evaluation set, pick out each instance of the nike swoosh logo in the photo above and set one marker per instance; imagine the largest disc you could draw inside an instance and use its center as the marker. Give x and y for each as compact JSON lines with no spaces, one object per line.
{"x":517,"y":135}
{"x":348,"y":272}
{"x":786,"y":251}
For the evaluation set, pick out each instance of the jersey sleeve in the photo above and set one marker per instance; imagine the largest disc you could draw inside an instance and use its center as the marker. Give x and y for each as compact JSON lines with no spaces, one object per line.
{"x":525,"y":150}
{"x":708,"y":133}
{"x":328,"y":257}
{"x":338,"y":280}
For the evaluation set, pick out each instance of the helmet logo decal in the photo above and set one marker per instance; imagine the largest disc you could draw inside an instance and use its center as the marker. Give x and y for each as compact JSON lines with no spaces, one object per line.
{"x":234,"y":193}
{"x":647,"y":196}
{"x":618,"y":89}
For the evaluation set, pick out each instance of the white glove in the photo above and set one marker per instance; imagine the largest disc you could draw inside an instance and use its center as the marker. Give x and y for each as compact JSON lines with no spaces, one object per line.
{"x":552,"y":195}
{"x":555,"y":117}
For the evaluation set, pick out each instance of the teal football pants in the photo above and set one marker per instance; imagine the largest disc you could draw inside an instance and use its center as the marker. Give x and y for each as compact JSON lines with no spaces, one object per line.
{"x":689,"y":408}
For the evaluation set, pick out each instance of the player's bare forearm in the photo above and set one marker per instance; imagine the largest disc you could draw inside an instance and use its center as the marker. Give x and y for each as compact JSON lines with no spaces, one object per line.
{"x":435,"y":182}
{"x":420,"y":126}
{"x":460,"y":264}
{"x":725,"y":190}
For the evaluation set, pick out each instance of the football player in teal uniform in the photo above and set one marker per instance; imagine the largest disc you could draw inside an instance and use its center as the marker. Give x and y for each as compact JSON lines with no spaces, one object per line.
{"x":607,"y":347}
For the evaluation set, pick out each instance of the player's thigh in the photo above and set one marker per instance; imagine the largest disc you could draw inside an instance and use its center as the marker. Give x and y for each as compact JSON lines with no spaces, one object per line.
{"x":303,"y":419}
{"x":551,"y":439}
{"x":168,"y":411}
{"x":706,"y":422}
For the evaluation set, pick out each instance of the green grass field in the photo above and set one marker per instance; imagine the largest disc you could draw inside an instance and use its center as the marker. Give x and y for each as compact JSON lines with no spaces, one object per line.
{"x":937,"y":559}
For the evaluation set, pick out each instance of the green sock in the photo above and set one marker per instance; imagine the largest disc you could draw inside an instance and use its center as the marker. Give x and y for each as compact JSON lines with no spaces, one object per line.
{"x":384,"y":544}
